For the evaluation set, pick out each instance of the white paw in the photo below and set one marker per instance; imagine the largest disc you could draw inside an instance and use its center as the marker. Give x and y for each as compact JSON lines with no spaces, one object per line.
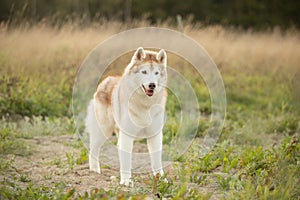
{"x":113,"y":179}
{"x":165,"y":180}
{"x":95,"y":169}
{"x":94,"y":166}
{"x":126,"y":182}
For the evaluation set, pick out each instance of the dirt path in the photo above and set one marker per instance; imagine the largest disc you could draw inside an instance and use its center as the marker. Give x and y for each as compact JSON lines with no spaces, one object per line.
{"x":53,"y":162}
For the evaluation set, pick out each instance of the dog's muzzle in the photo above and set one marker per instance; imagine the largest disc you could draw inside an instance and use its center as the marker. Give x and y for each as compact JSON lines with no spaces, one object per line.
{"x":149,"y":90}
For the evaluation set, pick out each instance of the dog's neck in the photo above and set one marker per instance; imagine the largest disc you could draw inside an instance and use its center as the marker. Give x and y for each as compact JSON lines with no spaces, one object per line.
{"x":137,"y":105}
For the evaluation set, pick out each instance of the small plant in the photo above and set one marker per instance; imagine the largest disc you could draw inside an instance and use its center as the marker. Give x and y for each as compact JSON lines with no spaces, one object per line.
{"x":199,"y":178}
{"x":7,"y":163}
{"x":70,"y":160}
{"x":160,"y":187}
{"x":224,"y":182}
{"x":83,"y":158}
{"x":56,"y":161}
{"x":24,"y":178}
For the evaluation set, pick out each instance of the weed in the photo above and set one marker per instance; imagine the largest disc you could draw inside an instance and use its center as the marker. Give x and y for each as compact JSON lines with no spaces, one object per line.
{"x":70,"y":160}
{"x":83,"y":157}
{"x":224,"y":182}
{"x":56,"y":161}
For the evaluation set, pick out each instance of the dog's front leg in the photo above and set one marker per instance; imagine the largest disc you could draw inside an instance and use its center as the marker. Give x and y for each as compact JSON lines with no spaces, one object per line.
{"x":155,"y":150}
{"x":125,"y":144}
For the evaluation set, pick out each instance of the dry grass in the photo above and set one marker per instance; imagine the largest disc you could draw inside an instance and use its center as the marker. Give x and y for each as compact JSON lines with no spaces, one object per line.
{"x":40,"y":48}
{"x":269,"y":51}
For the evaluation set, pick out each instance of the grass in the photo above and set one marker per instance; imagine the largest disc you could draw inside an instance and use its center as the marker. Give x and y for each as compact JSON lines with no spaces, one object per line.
{"x":257,"y":156}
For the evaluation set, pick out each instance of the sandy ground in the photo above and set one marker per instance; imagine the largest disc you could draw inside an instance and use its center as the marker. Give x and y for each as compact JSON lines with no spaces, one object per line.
{"x":48,"y":166}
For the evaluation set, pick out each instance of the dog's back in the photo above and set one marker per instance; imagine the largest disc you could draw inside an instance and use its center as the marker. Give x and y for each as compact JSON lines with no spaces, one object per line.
{"x":104,"y":91}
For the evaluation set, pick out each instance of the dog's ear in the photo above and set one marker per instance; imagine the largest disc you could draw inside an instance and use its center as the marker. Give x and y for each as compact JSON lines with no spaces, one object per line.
{"x":139,"y":55}
{"x":161,"y":56}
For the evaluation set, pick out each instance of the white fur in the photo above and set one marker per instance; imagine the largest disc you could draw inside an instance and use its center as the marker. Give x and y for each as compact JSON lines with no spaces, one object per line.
{"x":132,"y":113}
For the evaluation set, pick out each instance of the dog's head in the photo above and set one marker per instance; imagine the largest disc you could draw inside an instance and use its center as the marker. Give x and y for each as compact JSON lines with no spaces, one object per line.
{"x":148,"y":71}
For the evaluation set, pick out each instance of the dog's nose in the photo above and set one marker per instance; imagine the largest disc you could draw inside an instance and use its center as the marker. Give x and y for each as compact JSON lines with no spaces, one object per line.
{"x":152,"y":86}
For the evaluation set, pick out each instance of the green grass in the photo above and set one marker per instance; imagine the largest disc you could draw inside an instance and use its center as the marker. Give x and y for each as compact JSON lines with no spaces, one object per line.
{"x":10,"y":144}
{"x":22,"y":96}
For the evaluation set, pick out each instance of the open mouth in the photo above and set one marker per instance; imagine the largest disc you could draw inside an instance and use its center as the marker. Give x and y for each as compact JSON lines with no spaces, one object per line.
{"x":149,"y":92}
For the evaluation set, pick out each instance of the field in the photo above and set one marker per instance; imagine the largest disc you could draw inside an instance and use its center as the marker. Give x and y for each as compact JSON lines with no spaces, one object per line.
{"x":256,"y":157}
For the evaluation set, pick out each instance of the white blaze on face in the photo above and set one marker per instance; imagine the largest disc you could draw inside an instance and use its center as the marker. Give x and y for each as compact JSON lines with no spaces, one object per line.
{"x":151,"y":78}
{"x":148,"y":70}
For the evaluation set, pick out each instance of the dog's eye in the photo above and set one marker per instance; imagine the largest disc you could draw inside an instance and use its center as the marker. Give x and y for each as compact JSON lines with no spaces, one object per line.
{"x":144,"y":72}
{"x":156,"y":73}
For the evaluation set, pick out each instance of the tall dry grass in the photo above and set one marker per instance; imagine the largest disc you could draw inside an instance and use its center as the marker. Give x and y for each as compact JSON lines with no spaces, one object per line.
{"x":43,"y":49}
{"x":250,"y":51}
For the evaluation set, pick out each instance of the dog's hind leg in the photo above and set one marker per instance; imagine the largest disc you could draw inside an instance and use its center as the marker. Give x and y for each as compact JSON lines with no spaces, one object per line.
{"x":97,"y":138}
{"x":95,"y":146}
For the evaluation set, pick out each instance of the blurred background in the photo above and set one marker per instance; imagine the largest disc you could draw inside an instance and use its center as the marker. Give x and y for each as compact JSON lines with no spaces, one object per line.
{"x":256,"y":14}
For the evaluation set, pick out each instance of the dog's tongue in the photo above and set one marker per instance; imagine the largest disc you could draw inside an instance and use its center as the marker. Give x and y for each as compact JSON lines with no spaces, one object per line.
{"x":149,"y":92}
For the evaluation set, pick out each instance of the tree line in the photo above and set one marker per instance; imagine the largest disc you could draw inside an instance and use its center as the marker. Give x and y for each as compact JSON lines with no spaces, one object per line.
{"x":259,"y":14}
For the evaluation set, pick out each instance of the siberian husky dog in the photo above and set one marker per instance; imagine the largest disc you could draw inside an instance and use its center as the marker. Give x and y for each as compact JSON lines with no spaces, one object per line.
{"x":132,"y":106}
